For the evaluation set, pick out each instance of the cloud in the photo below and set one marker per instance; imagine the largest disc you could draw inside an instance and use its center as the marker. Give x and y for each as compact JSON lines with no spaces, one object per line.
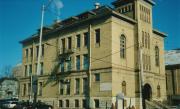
{"x":58,"y":4}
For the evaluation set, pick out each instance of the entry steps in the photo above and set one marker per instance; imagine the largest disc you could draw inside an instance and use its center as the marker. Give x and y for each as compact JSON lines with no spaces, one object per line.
{"x":156,"y":105}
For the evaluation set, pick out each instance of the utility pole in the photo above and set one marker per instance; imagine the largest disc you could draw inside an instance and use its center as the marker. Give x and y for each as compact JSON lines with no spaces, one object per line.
{"x":39,"y":53}
{"x":89,"y":67}
{"x":141,"y":79}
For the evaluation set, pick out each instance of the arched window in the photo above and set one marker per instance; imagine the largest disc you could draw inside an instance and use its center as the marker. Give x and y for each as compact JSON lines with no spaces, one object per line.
{"x":158,"y":91}
{"x":157,"y":56}
{"x":124,"y":87}
{"x":122,"y":46}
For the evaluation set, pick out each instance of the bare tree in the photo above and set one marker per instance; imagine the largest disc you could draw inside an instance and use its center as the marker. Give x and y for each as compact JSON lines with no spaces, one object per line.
{"x":6,"y":71}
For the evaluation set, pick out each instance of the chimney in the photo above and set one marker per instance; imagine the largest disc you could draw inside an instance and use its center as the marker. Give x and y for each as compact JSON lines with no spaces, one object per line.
{"x":97,"y":5}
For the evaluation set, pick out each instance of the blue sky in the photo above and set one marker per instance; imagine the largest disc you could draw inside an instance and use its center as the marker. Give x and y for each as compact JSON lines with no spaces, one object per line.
{"x":20,"y":19}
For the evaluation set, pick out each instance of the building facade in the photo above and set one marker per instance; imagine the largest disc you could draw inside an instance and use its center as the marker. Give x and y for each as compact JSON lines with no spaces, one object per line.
{"x":8,"y":88}
{"x":173,"y":76}
{"x":91,"y":58}
{"x":17,"y":71}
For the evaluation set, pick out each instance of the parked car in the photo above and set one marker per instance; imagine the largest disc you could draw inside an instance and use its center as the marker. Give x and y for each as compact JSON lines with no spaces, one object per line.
{"x":29,"y":105}
{"x":24,"y":105}
{"x":9,"y":104}
{"x":41,"y":105}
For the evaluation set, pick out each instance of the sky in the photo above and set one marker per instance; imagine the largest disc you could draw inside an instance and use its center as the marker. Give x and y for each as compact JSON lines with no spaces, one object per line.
{"x":20,"y":19}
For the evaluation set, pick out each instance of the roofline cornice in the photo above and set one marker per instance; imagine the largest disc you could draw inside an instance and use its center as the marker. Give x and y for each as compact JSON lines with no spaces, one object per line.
{"x":106,"y":14}
{"x":159,"y":33}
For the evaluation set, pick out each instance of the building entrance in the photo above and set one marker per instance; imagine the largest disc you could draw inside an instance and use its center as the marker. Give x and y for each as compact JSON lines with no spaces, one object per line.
{"x":147,"y":92}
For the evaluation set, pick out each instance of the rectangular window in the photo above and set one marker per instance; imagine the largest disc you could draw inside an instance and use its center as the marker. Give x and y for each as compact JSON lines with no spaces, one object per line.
{"x":146,"y":41}
{"x":96,"y":101}
{"x":78,"y":62}
{"x":85,"y":85}
{"x":24,"y":90}
{"x":37,"y":51}
{"x":61,"y":87}
{"x":97,"y":34}
{"x":86,"y":39}
{"x":63,"y":45}
{"x":77,"y":86}
{"x":42,"y":52}
{"x":85,"y":62}
{"x":36,"y":67}
{"x":60,"y":103}
{"x":84,"y":103}
{"x":97,"y":77}
{"x":69,"y":64}
{"x":40,"y":88}
{"x":25,"y":70}
{"x":41,"y":70}
{"x":62,"y":66}
{"x":69,"y":43}
{"x":30,"y":70}
{"x":26,"y":53}
{"x":76,"y":103}
{"x":67,"y":103}
{"x":143,"y":38}
{"x":149,"y":40}
{"x":29,"y":88}
{"x":68,"y":88}
{"x":31,"y":52}
{"x":78,"y":40}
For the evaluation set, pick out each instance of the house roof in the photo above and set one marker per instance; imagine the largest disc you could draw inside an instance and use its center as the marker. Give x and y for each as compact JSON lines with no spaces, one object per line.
{"x":86,"y":16}
{"x":6,"y":78}
{"x":159,"y":33}
{"x":74,"y":20}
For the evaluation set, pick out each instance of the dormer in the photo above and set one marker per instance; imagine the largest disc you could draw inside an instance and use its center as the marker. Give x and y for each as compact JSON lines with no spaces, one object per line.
{"x":86,"y":15}
{"x":125,"y":7}
{"x":69,"y":20}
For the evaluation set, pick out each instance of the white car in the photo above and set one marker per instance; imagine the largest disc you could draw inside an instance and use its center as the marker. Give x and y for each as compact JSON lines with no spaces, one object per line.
{"x":10,"y":104}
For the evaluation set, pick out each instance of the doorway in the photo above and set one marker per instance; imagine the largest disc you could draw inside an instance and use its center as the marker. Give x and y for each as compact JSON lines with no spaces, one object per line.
{"x":147,"y":92}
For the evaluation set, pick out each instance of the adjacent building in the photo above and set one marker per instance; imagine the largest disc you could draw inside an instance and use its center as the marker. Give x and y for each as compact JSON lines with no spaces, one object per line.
{"x":8,"y":88}
{"x":89,"y":59}
{"x":17,"y":71}
{"x":172,"y":58}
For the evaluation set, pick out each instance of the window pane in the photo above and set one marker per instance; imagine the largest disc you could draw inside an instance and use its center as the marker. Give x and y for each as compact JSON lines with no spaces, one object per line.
{"x":86,"y":38}
{"x":67,"y":103}
{"x":30,"y":70}
{"x":62,"y":66}
{"x":97,"y":77}
{"x":122,"y":46}
{"x":86,"y":62}
{"x":157,"y":56}
{"x":42,"y":52}
{"x":78,"y":62}
{"x":60,"y":103}
{"x":41,"y":70}
{"x":77,"y":86}
{"x":37,"y":51}
{"x":85,"y":85}
{"x":69,"y":43}
{"x":31,"y":52}
{"x":97,"y":33}
{"x":96,"y":103}
{"x":68,"y":88}
{"x":76,"y":103}
{"x":78,"y":38}
{"x":61,"y":87}
{"x":69,"y":64}
{"x":84,"y":103}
